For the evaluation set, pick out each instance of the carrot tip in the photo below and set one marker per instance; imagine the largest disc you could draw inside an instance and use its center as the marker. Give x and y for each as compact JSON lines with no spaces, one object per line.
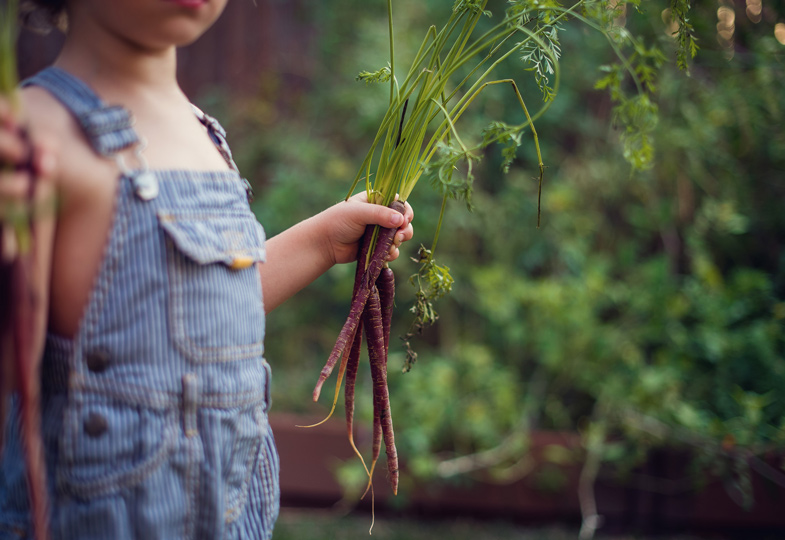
{"x":370,"y":480}
{"x":321,"y":422}
{"x":317,"y":390}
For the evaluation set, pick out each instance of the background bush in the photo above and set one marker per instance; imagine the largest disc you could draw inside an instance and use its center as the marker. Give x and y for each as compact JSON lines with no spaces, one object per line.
{"x":646,"y":311}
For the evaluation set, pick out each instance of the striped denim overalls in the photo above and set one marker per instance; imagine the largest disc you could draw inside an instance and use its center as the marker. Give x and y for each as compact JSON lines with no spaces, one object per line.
{"x":155,"y":414}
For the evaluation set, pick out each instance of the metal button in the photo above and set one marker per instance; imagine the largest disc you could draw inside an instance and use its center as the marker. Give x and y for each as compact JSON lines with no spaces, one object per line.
{"x":240,"y":262}
{"x":97,"y":361}
{"x":145,"y":185}
{"x":96,"y":425}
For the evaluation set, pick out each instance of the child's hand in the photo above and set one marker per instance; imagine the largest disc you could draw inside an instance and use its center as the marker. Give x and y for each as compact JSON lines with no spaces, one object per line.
{"x":302,"y":253}
{"x":346,"y":222}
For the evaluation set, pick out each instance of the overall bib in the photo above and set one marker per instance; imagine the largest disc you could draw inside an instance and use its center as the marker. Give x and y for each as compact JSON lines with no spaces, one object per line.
{"x":154,"y":416}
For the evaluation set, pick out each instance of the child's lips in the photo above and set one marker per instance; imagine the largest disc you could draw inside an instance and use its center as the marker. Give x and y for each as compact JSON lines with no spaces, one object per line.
{"x":192,"y":4}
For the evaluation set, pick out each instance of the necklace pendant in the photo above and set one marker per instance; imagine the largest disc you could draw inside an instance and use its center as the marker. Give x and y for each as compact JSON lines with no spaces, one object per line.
{"x":145,"y":185}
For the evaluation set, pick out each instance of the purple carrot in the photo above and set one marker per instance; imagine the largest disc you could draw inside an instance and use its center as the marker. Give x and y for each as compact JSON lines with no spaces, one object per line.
{"x":386,"y":285}
{"x":348,"y":389}
{"x":377,"y":446}
{"x":362,"y":255}
{"x":383,"y":244}
{"x":359,"y":299}
{"x":377,"y":425}
{"x":341,"y":371}
{"x":381,"y":395}
{"x":27,"y":381}
{"x":353,"y":362}
{"x":7,"y":375}
{"x":17,"y":331}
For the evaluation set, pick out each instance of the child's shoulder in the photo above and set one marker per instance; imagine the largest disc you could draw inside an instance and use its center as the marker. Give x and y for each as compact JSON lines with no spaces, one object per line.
{"x":52,"y":124}
{"x":43,"y":112}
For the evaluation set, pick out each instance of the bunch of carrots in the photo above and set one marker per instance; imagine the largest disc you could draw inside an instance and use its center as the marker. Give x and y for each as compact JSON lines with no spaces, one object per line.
{"x":371,"y":310}
{"x":18,"y":303}
{"x":418,"y":138}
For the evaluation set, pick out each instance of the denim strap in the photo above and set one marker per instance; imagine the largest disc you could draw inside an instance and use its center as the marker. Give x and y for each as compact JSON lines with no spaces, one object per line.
{"x":218,"y":136}
{"x":108,"y":128}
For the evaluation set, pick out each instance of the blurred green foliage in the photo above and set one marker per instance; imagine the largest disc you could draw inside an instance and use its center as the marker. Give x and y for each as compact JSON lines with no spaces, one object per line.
{"x":299,"y":525}
{"x":311,"y":525}
{"x":648,"y":309}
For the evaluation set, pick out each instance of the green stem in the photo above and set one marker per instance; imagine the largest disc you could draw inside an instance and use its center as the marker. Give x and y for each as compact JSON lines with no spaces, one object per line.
{"x":406,"y":146}
{"x":439,"y":224}
{"x":8,"y":34}
{"x":469,"y":97}
{"x":392,"y":50}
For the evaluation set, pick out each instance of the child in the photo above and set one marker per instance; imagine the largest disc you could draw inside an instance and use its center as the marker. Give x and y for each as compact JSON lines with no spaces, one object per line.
{"x":154,"y":388}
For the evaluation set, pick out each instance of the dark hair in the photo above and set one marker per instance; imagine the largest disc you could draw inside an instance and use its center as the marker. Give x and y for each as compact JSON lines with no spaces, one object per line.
{"x":43,"y":14}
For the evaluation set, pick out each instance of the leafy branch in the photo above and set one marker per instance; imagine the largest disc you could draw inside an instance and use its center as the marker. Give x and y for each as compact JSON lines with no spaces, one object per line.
{"x":431,"y":282}
{"x":685,"y":34}
{"x":543,"y":61}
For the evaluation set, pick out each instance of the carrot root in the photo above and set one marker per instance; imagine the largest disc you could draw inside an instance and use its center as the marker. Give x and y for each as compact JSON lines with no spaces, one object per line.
{"x":30,"y":398}
{"x":351,"y":378}
{"x":18,"y":311}
{"x":381,"y":394}
{"x":341,"y":371}
{"x":386,"y":286}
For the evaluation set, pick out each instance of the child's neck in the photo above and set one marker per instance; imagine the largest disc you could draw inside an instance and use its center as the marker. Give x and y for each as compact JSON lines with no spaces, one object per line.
{"x":119,"y":70}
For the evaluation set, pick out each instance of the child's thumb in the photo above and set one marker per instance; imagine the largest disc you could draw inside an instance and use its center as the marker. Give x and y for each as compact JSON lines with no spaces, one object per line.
{"x":376,"y":214}
{"x":43,"y":160}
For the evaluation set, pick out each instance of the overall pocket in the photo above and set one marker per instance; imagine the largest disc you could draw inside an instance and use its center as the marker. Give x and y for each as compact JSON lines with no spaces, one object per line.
{"x":215,"y":295}
{"x":263,"y":493}
{"x":107,"y":445}
{"x":269,"y":467}
{"x":242,"y":433}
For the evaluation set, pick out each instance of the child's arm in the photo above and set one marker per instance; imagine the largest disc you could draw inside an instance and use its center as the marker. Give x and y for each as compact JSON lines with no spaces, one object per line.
{"x":302,"y":253}
{"x":17,"y":169}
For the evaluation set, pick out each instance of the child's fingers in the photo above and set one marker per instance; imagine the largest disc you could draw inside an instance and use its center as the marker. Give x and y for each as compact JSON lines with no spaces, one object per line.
{"x":376,"y":214}
{"x":43,"y":161}
{"x":7,"y":116}
{"x":13,"y":150}
{"x":23,"y":166}
{"x":386,"y":217}
{"x":406,"y":232}
{"x":409,"y":214}
{"x":14,"y":186}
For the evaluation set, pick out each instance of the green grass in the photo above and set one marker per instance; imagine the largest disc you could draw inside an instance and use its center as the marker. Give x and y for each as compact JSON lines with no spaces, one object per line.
{"x":314,"y":525}
{"x":310,"y":524}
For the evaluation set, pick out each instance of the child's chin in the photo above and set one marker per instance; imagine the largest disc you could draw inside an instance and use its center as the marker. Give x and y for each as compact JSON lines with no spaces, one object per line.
{"x":184,"y":30}
{"x":182,"y":34}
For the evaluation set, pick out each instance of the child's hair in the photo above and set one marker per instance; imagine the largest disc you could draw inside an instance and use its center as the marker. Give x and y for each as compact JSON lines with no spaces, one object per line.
{"x":43,"y":14}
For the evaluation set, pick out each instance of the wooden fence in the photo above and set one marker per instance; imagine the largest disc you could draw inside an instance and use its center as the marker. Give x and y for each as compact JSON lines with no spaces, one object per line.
{"x":252,"y":41}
